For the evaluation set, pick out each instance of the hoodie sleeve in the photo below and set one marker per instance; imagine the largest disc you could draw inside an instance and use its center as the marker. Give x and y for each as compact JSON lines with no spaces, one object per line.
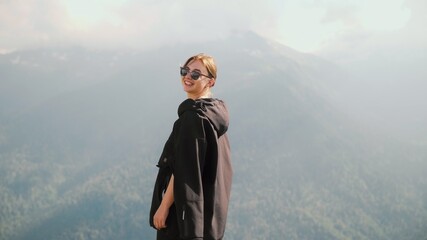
{"x":190,"y":148}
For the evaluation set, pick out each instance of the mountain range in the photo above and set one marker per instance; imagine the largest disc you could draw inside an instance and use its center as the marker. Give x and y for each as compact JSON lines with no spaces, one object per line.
{"x":81,"y":132}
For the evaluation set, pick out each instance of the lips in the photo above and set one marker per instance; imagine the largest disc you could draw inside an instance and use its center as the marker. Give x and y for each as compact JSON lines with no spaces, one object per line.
{"x":188,"y":83}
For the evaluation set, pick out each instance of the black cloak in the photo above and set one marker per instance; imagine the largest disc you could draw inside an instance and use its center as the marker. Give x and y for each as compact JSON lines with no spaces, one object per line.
{"x":197,"y":153}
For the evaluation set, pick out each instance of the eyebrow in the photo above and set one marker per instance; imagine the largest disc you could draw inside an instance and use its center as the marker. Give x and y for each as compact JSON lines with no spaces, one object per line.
{"x":191,"y":70}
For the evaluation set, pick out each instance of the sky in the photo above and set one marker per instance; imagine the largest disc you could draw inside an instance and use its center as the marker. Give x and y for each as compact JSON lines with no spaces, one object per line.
{"x":382,"y":43}
{"x":305,"y":25}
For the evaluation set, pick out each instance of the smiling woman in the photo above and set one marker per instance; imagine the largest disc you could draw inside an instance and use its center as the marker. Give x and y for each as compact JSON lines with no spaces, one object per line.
{"x":198,"y":76}
{"x":192,"y":189}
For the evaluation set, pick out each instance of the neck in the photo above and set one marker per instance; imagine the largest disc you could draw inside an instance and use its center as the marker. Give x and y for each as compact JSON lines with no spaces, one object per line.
{"x":197,"y":96}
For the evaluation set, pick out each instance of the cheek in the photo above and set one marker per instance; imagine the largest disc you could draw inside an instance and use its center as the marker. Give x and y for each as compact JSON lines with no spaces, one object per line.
{"x":199,"y":84}
{"x":205,"y":83}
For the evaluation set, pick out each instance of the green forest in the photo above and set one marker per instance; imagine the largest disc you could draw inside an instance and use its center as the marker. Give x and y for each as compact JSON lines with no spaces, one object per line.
{"x":79,"y":143}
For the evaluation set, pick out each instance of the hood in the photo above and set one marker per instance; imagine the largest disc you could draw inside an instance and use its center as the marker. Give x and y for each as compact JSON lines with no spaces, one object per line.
{"x":212,"y":108}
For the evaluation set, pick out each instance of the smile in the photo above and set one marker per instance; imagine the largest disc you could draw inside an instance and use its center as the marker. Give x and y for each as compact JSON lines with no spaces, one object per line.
{"x":188,"y":83}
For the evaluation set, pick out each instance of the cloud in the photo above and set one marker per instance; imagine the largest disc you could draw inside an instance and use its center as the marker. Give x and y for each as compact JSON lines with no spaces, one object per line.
{"x":312,"y":25}
{"x":131,"y":24}
{"x":369,"y":41}
{"x":304,"y":25}
{"x":30,"y":23}
{"x":186,"y":21}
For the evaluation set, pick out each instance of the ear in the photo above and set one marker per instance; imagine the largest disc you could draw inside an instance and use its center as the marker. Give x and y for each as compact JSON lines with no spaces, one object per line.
{"x":212,"y":83}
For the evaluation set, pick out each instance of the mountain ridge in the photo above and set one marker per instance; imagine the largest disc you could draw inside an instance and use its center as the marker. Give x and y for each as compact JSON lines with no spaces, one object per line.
{"x":86,"y":158}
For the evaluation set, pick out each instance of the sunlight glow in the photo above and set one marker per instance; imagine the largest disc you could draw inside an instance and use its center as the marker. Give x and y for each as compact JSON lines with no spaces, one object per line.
{"x":307,"y":25}
{"x":86,"y":14}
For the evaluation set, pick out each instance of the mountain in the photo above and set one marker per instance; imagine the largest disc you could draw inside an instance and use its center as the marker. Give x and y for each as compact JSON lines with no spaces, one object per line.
{"x":81,"y":131}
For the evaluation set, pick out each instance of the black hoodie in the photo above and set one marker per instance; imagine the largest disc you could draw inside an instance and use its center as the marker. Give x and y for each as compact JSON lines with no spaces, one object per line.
{"x":197,"y":153}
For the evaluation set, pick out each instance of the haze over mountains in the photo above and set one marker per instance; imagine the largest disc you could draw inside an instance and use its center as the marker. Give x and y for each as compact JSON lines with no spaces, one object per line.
{"x":81,"y":131}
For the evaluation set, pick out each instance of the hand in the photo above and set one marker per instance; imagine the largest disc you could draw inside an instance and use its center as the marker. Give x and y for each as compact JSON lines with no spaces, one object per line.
{"x":160,"y":216}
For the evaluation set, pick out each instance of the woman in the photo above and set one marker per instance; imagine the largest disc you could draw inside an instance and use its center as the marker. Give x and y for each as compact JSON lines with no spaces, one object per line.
{"x":192,"y":189}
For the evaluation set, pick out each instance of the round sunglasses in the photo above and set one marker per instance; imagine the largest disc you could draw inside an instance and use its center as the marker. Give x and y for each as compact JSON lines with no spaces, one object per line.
{"x":194,"y":74}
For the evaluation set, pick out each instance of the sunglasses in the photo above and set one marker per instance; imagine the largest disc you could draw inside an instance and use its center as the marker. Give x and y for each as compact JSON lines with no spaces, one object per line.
{"x":194,"y":74}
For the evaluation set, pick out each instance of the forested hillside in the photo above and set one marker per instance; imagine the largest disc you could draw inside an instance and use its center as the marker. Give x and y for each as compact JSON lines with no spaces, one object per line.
{"x":81,"y":131}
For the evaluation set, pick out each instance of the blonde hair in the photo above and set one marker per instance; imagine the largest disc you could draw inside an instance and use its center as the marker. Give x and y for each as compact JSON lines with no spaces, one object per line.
{"x":207,"y":61}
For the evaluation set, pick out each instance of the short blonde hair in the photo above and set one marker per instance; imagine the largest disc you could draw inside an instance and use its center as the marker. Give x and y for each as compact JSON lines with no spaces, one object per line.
{"x":207,"y":61}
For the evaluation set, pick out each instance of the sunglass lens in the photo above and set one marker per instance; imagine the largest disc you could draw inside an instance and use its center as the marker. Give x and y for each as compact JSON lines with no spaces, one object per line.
{"x":195,"y":75}
{"x":183,"y":72}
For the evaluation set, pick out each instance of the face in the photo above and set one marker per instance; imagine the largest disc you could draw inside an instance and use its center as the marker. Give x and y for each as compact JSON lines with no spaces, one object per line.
{"x":200,"y":87}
